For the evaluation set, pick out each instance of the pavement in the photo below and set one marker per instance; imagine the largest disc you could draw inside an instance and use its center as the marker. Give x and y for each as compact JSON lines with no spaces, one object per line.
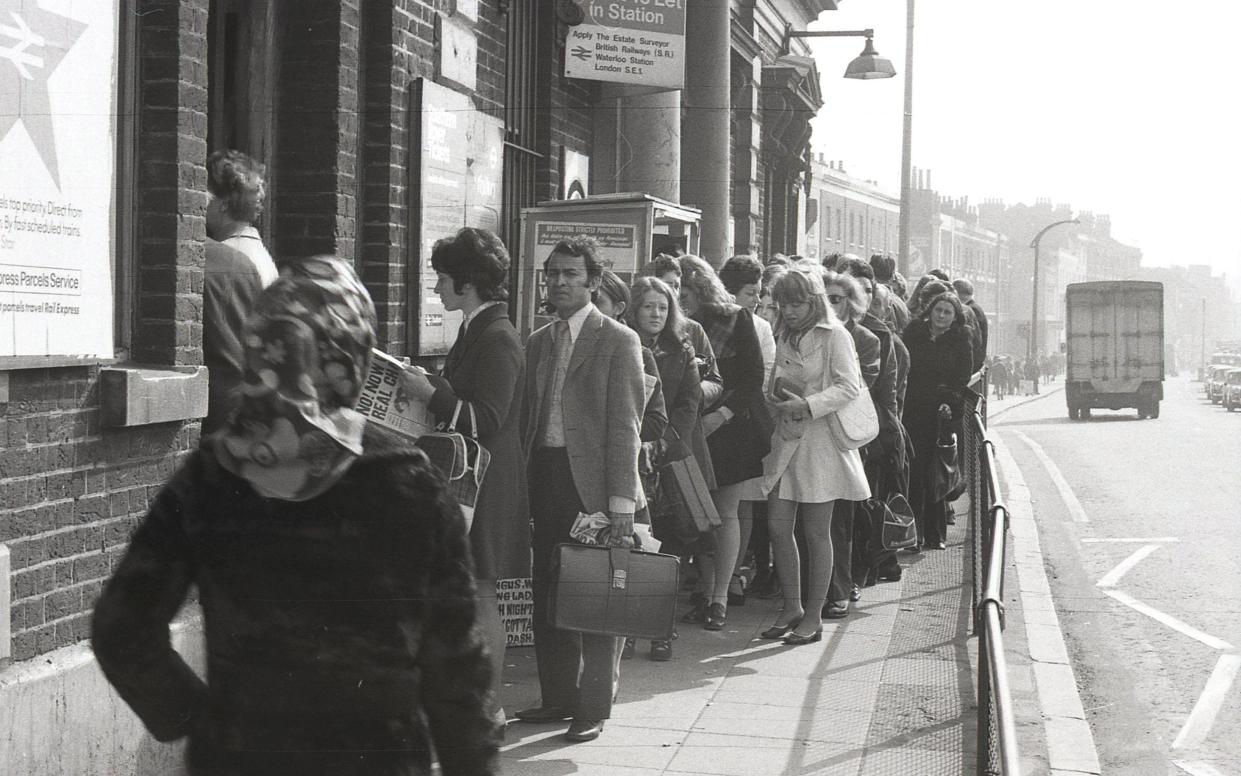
{"x":889,"y":690}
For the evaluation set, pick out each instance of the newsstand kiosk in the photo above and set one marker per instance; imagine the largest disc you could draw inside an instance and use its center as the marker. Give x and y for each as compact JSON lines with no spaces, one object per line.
{"x":629,"y":228}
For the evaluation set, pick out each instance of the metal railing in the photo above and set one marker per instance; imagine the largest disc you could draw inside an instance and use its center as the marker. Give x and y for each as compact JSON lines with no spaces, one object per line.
{"x":997,"y":733}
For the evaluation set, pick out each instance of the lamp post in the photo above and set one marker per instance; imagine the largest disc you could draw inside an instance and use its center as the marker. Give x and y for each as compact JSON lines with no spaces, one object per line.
{"x":907,"y":129}
{"x":1033,"y":349}
{"x":865,"y":66}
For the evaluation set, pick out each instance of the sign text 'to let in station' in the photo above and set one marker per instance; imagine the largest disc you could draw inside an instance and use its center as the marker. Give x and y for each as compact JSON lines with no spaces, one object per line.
{"x":629,"y":42}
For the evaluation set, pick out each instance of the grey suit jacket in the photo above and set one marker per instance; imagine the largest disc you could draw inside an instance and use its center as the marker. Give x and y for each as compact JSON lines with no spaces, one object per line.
{"x":601,"y":402}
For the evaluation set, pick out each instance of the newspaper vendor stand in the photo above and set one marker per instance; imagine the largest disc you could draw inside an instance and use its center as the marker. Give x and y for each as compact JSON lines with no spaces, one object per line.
{"x":629,"y":228}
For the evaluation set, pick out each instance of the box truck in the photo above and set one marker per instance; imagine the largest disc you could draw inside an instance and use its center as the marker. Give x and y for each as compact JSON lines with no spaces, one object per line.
{"x":1114,"y":347}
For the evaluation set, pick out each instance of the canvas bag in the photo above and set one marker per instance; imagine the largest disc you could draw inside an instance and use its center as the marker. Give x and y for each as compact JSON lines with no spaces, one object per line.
{"x":462,"y":460}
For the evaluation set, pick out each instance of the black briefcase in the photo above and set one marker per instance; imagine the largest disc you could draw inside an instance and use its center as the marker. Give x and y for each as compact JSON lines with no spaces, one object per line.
{"x":614,"y":591}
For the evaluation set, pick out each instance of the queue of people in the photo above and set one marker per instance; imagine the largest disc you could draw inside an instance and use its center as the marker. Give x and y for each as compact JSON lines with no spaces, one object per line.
{"x":351,"y":620}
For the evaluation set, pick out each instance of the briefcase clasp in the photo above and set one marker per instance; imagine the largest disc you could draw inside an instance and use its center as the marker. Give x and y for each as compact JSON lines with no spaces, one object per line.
{"x":620,"y":579}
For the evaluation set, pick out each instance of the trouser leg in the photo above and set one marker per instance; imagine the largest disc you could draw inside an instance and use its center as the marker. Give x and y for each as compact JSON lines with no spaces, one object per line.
{"x":842,"y":552}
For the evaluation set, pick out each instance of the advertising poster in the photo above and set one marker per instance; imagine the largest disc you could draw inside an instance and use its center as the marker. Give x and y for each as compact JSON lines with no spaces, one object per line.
{"x":57,"y":178}
{"x":516,"y":600}
{"x":458,"y":179}
{"x":618,"y":248}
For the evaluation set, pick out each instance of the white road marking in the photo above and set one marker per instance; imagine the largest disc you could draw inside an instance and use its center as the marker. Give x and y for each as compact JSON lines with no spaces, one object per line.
{"x":1053,"y":471}
{"x":1113,"y":577}
{"x":1169,"y":620}
{"x":1198,"y":769}
{"x":1133,"y":540}
{"x":1198,"y":726}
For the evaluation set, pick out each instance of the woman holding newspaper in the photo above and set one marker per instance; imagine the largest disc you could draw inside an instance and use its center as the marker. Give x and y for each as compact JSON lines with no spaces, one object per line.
{"x":483,"y":371}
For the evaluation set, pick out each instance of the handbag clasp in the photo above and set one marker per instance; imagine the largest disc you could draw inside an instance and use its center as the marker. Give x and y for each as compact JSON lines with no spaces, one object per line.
{"x":620,"y":579}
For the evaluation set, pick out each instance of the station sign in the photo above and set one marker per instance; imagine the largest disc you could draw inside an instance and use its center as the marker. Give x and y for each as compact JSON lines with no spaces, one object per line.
{"x":639,"y":42}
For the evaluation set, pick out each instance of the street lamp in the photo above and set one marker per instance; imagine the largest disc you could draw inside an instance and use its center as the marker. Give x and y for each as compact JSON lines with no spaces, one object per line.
{"x":1033,"y":351}
{"x":865,"y":66}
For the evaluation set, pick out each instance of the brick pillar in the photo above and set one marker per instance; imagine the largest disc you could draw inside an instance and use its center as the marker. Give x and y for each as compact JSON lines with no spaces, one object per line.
{"x":171,"y":180}
{"x":705,"y":169}
{"x":317,"y":131}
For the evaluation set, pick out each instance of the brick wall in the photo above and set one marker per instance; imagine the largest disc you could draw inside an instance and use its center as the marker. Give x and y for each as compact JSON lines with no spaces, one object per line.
{"x":71,"y":492}
{"x":317,"y":133}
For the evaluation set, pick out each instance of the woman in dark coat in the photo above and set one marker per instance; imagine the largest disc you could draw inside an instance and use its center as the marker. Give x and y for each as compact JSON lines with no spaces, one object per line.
{"x":940,"y":364}
{"x":483,"y":370}
{"x":333,"y":572}
{"x":735,"y":433}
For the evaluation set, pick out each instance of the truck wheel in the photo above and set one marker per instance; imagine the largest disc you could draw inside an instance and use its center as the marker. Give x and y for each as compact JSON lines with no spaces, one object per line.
{"x":1072,"y":413}
{"x":1084,"y":413}
{"x":1154,"y":409}
{"x":1228,"y":406}
{"x":1143,"y":414}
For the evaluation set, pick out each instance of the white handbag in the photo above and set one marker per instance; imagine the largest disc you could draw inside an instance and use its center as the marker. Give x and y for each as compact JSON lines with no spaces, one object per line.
{"x":854,"y":424}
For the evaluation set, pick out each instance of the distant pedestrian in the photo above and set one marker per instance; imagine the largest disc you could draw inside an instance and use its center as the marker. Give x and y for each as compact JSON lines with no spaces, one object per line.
{"x":806,"y":473}
{"x":333,"y":568}
{"x":237,"y":191}
{"x":999,"y":377}
{"x":1032,"y":373}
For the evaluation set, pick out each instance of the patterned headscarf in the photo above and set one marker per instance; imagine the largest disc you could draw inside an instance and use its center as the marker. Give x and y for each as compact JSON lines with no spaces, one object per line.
{"x":307,"y":348}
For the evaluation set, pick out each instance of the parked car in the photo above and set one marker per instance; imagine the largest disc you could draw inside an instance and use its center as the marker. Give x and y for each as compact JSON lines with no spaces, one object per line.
{"x":1215,"y":382}
{"x":1232,"y":389}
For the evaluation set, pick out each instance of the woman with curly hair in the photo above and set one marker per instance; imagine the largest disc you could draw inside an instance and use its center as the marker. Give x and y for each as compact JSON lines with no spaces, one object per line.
{"x":734,"y":431}
{"x":237,"y":190}
{"x":940,"y":364}
{"x":483,"y":371}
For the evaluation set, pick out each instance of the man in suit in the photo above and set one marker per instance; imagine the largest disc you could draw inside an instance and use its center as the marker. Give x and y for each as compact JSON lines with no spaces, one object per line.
{"x":583,"y":410}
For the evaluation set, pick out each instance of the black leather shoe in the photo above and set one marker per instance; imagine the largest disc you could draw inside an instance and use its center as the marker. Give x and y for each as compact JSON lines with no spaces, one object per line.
{"x":717,"y":615}
{"x":661,"y":651}
{"x":581,"y":730}
{"x":540,"y":714}
{"x":836,"y":610}
{"x":779,"y":631}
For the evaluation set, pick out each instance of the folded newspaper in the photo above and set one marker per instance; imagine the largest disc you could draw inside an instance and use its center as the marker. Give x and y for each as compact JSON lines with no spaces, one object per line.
{"x":385,"y":401}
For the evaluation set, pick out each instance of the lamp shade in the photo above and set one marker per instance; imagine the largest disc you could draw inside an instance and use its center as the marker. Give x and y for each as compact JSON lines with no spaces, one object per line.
{"x":869,"y":64}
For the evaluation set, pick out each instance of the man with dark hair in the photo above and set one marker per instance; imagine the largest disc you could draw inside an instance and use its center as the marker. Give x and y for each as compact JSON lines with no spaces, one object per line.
{"x":941,"y":274}
{"x":584,"y":397}
{"x":666,"y":268}
{"x":742,"y":276}
{"x":965,"y":290}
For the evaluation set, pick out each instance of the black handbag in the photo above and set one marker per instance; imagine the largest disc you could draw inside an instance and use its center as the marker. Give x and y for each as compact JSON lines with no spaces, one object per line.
{"x":462,"y":460}
{"x":614,"y":591}
{"x":892,"y":521}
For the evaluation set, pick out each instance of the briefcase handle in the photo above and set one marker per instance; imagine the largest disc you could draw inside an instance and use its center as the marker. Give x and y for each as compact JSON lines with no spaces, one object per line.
{"x":619,"y":559}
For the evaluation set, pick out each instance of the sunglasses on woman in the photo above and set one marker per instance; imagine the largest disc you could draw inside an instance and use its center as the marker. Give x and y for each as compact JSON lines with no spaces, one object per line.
{"x":835,"y":298}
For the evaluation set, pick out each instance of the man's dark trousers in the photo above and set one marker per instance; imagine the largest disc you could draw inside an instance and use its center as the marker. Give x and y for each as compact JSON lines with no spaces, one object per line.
{"x":554,"y":505}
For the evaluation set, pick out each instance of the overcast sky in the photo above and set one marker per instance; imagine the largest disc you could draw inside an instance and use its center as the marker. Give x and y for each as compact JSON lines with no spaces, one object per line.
{"x":1124,"y":107}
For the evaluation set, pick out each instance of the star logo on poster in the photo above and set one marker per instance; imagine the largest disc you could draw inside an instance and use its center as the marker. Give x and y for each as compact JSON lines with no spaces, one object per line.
{"x":32,"y":44}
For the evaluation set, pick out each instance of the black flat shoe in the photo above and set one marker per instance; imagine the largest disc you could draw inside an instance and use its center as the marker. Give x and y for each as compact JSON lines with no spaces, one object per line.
{"x":796,"y":639}
{"x":779,"y":631}
{"x":581,"y":730}
{"x":716,"y":617}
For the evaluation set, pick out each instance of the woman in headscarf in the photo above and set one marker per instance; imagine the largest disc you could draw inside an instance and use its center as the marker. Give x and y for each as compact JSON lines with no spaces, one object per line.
{"x":332,"y":567}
